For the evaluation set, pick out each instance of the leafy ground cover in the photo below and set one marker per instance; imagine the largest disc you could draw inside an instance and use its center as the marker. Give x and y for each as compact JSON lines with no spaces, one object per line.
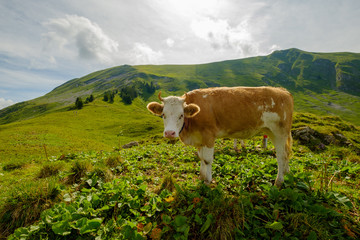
{"x":152,"y":191}
{"x":50,"y":175}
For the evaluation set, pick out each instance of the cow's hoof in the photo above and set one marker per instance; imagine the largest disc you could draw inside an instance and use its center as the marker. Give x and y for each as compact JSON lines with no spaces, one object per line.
{"x":207,"y":183}
{"x":278,"y":183}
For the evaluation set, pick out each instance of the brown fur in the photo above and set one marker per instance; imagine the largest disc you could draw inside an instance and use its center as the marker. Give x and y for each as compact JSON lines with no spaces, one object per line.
{"x":234,"y":111}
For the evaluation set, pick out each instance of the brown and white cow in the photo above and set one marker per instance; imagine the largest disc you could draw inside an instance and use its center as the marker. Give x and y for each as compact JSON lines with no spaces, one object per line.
{"x":202,"y":115}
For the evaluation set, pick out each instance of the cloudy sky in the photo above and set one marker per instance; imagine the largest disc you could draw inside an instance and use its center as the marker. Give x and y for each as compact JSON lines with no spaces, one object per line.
{"x":44,"y":43}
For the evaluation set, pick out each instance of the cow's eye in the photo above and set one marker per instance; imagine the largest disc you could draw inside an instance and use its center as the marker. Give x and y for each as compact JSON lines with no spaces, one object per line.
{"x":181,"y":116}
{"x":163,"y":116}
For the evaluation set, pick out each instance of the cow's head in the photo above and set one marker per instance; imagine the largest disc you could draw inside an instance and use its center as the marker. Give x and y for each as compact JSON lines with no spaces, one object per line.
{"x":173,"y":110}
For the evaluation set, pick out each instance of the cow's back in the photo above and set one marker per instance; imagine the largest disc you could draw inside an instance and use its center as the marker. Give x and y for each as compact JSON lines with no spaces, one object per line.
{"x":239,"y":111}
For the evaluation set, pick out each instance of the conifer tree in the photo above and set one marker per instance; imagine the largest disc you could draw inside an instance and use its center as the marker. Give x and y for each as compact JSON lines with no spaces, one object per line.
{"x":91,"y":98}
{"x":79,"y":103}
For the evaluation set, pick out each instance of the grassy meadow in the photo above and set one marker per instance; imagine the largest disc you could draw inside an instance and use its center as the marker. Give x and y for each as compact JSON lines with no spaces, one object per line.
{"x":64,"y":175}
{"x":98,"y":126}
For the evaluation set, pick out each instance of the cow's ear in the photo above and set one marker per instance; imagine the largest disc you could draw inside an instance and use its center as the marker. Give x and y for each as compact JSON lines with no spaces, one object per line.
{"x":155,"y":108}
{"x":191,"y":110}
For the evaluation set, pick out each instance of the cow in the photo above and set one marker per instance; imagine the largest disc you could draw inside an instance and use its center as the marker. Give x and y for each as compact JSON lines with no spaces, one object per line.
{"x":202,"y":115}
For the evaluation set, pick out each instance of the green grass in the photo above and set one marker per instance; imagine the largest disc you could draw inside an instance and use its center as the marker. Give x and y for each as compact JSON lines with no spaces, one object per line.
{"x":26,"y":146}
{"x":329,"y":103}
{"x":241,"y":202}
{"x":25,"y":203}
{"x":99,"y":126}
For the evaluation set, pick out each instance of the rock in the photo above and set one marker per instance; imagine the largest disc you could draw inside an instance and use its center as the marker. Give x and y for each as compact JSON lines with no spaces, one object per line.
{"x":130,"y":144}
{"x":342,"y":140}
{"x":318,"y":141}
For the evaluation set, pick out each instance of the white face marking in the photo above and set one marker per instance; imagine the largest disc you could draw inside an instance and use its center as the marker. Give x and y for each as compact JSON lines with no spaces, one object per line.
{"x":284,"y":115}
{"x":173,"y":115}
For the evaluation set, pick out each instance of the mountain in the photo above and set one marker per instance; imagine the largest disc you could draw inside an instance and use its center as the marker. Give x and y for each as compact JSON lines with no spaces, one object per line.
{"x":322,"y":83}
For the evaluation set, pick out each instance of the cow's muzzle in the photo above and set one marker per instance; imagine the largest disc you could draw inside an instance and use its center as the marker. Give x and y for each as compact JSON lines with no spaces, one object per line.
{"x":169,"y":134}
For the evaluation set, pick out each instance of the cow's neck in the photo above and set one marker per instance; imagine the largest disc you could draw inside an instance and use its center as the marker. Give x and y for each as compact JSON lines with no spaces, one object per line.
{"x":182,"y":127}
{"x":186,"y":135}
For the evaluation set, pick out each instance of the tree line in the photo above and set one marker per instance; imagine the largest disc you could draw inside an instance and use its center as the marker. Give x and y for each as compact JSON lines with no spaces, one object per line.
{"x":79,"y":104}
{"x":127,"y":93}
{"x":130,"y":92}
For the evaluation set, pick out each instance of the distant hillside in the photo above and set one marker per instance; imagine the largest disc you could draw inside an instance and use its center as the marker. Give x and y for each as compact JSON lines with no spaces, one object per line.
{"x":322,"y":83}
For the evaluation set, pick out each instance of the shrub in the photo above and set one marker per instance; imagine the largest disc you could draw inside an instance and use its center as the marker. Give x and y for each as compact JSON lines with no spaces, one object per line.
{"x":113,"y":161}
{"x":78,"y":170}
{"x":102,"y":174}
{"x":25,"y":203}
{"x":12,"y":166}
{"x":49,"y":170}
{"x":168,"y":183}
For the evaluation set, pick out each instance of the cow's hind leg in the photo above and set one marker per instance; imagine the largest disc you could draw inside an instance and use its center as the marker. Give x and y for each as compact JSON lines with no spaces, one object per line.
{"x":206,"y":156}
{"x":282,"y":144}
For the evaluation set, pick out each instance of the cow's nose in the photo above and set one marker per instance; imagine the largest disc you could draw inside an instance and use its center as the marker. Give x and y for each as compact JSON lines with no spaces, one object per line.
{"x":169,"y":134}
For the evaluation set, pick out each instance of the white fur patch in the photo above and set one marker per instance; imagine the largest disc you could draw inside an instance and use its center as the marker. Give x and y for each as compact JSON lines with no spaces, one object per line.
{"x":270,"y":119}
{"x":206,"y":155}
{"x":272,"y":102}
{"x":205,"y":96}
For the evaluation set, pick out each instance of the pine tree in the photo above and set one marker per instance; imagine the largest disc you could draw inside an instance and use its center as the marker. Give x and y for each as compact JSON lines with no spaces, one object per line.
{"x":126,"y":99}
{"x":79,"y":103}
{"x":111,"y":98}
{"x":106,"y":97}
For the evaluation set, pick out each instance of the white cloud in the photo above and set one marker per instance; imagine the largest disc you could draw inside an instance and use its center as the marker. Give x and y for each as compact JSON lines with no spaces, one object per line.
{"x":143,"y":54}
{"x":222,"y":36}
{"x":190,"y":8}
{"x":5,"y":103}
{"x":170,"y":42}
{"x":102,"y":34}
{"x":79,"y":33}
{"x":274,"y":48}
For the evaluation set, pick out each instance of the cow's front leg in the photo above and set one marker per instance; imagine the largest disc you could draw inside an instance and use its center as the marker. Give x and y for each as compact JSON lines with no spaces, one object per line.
{"x":206,"y":156}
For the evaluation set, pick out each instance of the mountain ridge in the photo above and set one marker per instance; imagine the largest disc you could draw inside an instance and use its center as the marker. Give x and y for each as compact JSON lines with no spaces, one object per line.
{"x":313,"y":79}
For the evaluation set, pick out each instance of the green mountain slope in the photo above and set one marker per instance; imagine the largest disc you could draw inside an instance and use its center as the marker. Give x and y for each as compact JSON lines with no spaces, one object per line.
{"x":98,"y":126}
{"x":322,"y":83}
